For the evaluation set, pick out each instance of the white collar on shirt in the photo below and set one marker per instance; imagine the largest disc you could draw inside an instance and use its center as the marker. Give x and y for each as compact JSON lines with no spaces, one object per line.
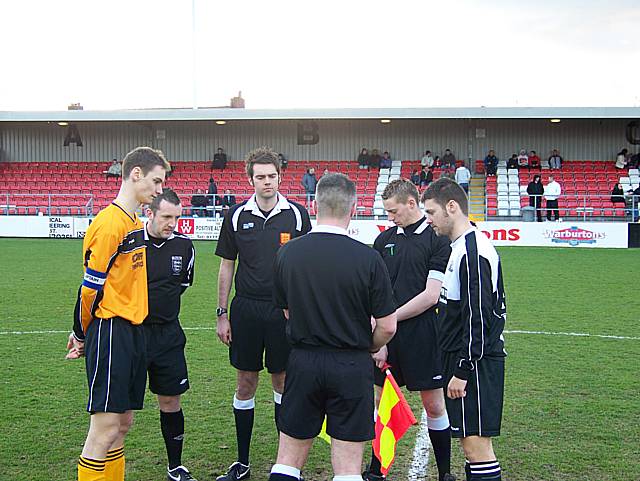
{"x":421,"y":228}
{"x":328,"y":229}
{"x":281,"y":205}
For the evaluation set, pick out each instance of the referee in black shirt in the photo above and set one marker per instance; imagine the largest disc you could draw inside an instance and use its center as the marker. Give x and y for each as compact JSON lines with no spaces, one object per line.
{"x":416,"y":259}
{"x":170,"y":261}
{"x":329,"y":298}
{"x":252,"y":232}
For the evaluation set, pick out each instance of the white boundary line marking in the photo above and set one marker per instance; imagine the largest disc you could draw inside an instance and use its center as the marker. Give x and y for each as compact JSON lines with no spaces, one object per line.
{"x":574,"y":334}
{"x":420,"y":460}
{"x":543,"y":333}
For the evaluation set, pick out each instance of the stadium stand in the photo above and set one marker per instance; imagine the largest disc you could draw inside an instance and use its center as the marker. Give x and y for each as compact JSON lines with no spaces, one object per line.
{"x":586,"y":189}
{"x":80,"y":188}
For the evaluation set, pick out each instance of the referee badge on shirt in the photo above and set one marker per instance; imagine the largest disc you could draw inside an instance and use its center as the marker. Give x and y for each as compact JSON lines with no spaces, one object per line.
{"x":284,"y":238}
{"x":176,"y":265}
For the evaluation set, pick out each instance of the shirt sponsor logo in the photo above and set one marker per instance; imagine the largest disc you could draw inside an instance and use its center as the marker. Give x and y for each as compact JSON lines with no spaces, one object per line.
{"x":176,"y":265}
{"x":574,"y":236}
{"x":284,"y":238}
{"x":186,"y":226}
{"x":248,"y":225}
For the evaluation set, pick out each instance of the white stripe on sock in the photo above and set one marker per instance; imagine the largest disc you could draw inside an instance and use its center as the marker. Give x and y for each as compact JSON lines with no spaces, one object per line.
{"x":286,"y":470}
{"x":244,"y":404}
{"x":438,"y":424}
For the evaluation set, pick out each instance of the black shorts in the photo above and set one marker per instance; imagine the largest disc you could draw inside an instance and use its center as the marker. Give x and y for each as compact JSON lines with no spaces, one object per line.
{"x":334,"y":383}
{"x":166,"y":364}
{"x":479,"y":413}
{"x":116,"y":365}
{"x":257,"y":332}
{"x":415,"y":356}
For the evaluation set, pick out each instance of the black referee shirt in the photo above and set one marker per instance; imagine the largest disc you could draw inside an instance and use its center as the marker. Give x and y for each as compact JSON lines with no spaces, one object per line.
{"x":253,"y":238}
{"x":413,"y":255}
{"x":169,"y":272}
{"x":332,"y":285}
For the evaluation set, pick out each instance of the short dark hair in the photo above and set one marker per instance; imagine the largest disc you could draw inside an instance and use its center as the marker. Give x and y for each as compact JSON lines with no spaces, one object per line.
{"x":335,"y":195}
{"x":261,"y":155}
{"x":445,"y":190}
{"x":401,"y":189}
{"x":146,"y":158}
{"x":167,"y":194}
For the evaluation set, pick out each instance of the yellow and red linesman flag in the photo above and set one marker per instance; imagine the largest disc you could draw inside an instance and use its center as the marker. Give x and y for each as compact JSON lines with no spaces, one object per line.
{"x":394,"y":419}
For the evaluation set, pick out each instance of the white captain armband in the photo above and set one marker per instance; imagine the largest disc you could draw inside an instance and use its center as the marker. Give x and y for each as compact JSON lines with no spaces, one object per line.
{"x":94,"y":280}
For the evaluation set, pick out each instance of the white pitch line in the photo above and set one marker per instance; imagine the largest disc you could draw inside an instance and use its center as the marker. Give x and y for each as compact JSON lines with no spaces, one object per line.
{"x":19,"y":333}
{"x":574,"y":334}
{"x":420,"y":461}
{"x":543,"y":333}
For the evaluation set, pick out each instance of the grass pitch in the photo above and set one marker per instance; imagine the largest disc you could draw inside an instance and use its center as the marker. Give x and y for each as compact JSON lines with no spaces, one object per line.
{"x":571,"y":403}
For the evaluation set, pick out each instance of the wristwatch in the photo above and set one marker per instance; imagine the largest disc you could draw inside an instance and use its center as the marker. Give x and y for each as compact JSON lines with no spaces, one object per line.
{"x":221,"y":311}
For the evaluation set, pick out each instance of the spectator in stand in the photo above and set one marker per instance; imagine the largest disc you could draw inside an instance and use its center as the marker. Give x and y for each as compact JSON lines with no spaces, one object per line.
{"x":622,"y":159}
{"x":523,"y":159}
{"x":219,"y":160}
{"x":491,"y":163}
{"x":449,"y":159}
{"x":462,"y":177}
{"x":374,"y":159}
{"x":535,"y":189}
{"x":427,"y":159}
{"x":212,"y":194}
{"x":415,"y":177}
{"x":551,"y":193}
{"x":199,"y":204}
{"x":324,"y":172}
{"x":437,"y":162}
{"x":115,"y":169}
{"x":385,"y":162}
{"x":534,"y":160}
{"x":364,"y":159}
{"x":512,"y":163}
{"x":555,"y":161}
{"x":617,"y":195}
{"x":228,"y":201}
{"x":426,"y":176}
{"x":284,"y":163}
{"x":309,"y":183}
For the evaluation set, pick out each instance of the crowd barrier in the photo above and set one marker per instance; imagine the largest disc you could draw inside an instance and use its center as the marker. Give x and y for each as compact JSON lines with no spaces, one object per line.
{"x":538,"y":234}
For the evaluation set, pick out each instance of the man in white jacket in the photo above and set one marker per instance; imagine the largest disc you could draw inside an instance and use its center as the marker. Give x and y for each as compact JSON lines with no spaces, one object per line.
{"x":462,"y":177}
{"x":551,"y":193}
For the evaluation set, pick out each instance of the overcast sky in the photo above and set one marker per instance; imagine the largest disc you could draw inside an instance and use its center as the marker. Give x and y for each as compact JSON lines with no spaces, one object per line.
{"x":295,"y":54}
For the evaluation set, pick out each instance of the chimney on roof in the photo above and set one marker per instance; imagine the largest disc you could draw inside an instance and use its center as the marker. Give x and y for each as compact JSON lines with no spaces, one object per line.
{"x":237,"y":102}
{"x":77,"y":106}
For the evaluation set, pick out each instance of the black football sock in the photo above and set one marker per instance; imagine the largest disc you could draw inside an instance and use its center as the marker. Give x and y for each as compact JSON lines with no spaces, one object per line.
{"x":243,"y":411}
{"x":172,"y":426}
{"x":485,"y":471}
{"x":374,"y":465}
{"x":440,"y":436}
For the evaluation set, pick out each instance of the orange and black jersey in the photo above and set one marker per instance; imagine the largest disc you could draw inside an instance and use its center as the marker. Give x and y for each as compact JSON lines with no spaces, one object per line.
{"x":115,"y":277}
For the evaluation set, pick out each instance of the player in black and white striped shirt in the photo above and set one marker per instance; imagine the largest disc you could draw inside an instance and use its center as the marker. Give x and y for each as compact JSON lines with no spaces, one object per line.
{"x":472,"y":314}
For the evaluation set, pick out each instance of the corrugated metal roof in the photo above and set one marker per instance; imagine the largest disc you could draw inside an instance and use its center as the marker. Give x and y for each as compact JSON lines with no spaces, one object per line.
{"x":301,"y":114}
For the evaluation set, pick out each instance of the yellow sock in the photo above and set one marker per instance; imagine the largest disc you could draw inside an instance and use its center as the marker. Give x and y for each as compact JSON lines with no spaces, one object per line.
{"x":114,"y":467}
{"x":91,"y":469}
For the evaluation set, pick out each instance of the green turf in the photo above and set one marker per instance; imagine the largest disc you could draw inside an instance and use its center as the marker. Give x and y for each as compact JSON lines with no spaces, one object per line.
{"x":571,"y":404}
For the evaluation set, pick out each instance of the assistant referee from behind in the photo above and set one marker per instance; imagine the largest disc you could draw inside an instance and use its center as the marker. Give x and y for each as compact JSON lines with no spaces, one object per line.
{"x":329,"y":298}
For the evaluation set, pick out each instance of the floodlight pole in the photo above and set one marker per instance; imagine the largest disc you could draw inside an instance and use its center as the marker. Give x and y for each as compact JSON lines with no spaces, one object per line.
{"x":193,"y":54}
